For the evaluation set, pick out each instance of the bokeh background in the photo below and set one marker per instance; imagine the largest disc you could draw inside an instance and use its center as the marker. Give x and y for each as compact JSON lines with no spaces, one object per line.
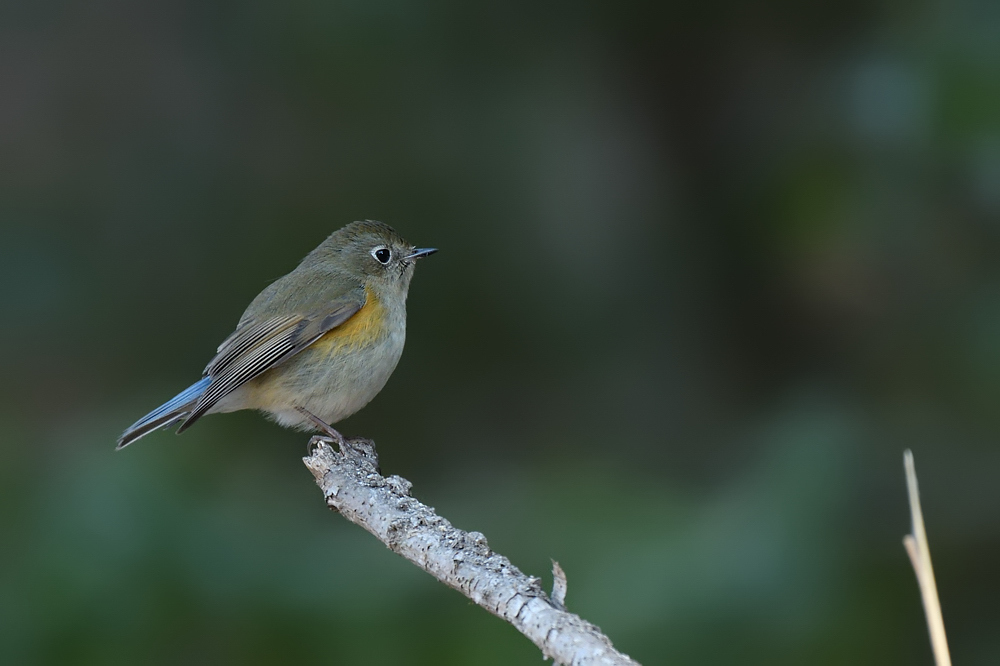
{"x":707,"y":269}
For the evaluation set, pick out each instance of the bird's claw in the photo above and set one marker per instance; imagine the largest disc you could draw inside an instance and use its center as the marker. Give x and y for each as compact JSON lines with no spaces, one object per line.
{"x":317,"y":440}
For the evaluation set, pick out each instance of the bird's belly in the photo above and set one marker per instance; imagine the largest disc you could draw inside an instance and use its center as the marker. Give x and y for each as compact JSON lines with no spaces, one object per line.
{"x":332,"y":378}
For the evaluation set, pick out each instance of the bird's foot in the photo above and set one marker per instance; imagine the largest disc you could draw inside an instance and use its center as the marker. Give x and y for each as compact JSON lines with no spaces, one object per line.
{"x":360,"y":451}
{"x":330,"y":436}
{"x":316,"y":441}
{"x":363,"y":449}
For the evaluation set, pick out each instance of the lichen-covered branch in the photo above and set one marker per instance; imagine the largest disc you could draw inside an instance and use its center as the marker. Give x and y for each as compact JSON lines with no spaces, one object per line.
{"x":353,"y":486}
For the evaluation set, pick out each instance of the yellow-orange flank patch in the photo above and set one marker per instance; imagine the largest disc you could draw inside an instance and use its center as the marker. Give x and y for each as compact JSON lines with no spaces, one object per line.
{"x":366,"y":326}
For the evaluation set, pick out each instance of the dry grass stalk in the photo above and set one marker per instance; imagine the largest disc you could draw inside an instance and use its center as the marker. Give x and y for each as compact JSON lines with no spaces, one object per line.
{"x":920,"y":557}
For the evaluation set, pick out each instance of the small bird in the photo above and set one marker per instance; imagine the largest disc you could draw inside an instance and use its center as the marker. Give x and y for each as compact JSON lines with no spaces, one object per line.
{"x":316,"y":345}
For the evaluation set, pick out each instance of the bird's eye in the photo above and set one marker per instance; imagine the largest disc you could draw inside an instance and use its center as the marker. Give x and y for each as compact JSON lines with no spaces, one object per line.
{"x":382,"y":255}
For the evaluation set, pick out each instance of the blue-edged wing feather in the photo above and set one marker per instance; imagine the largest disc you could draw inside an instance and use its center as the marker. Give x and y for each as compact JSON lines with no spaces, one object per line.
{"x":258,"y":346}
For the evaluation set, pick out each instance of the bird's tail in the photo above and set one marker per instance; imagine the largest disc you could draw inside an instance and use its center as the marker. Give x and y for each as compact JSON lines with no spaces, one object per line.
{"x":166,"y":414}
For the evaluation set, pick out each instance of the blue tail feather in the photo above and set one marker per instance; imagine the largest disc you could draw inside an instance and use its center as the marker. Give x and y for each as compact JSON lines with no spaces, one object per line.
{"x":166,"y":414}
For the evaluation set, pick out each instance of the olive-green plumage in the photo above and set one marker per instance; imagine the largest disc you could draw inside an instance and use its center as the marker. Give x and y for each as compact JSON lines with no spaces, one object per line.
{"x":323,"y":338}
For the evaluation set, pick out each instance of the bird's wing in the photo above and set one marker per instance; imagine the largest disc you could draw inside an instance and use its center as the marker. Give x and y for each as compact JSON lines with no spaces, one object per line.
{"x":258,"y":345}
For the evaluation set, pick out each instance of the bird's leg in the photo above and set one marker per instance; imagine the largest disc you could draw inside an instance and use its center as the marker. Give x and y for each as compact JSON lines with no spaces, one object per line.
{"x":358,"y":447}
{"x":332,"y":436}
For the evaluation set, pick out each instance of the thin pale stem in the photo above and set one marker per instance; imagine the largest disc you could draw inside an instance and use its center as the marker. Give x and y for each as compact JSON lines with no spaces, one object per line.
{"x":920,"y":557}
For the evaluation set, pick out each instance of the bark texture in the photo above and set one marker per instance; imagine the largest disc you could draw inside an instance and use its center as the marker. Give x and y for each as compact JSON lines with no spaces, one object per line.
{"x":353,"y":486}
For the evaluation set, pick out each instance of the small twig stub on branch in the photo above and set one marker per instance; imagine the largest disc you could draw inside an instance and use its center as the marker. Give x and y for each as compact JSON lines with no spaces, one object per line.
{"x":352,"y":484}
{"x":559,"y":585}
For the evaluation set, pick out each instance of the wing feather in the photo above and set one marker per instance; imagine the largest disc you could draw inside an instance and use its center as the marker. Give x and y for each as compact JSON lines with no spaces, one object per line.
{"x":258,"y":346}
{"x":246,"y":336}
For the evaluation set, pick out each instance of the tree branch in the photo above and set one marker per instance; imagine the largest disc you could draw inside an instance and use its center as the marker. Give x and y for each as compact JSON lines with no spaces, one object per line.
{"x":353,"y":486}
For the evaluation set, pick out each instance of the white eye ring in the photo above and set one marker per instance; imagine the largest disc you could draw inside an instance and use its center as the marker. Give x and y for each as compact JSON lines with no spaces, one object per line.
{"x":382,"y":254}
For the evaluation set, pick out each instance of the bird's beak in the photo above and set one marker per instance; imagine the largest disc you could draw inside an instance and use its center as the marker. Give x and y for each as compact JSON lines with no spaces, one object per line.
{"x":421,"y":253}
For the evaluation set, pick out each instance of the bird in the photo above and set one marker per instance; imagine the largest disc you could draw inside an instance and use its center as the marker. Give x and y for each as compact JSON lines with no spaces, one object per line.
{"x":315,"y":346}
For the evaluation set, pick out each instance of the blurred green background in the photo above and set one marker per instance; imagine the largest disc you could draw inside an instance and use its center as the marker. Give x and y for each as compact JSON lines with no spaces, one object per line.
{"x":707,"y":268}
